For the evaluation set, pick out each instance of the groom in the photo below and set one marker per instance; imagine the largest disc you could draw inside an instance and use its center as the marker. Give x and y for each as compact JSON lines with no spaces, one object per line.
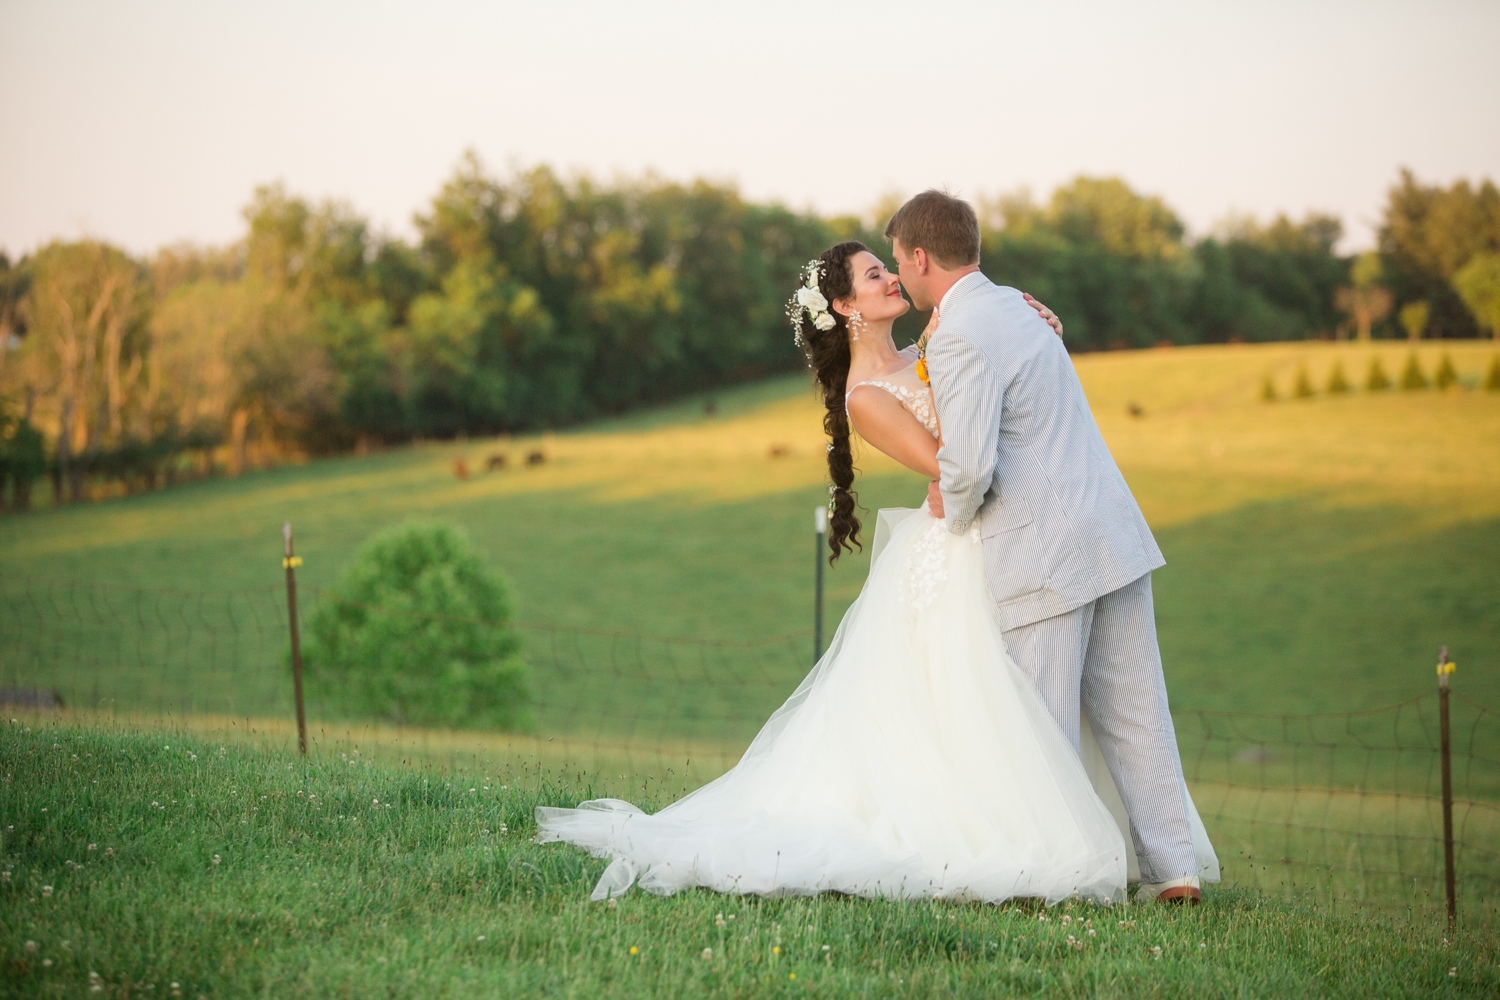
{"x":1066,"y":549}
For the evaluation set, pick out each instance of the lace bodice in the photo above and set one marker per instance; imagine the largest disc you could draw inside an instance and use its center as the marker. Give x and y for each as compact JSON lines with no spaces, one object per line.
{"x":906,"y":387}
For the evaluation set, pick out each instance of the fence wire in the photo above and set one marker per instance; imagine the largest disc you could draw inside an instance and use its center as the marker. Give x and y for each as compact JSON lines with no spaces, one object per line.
{"x":1343,"y":808}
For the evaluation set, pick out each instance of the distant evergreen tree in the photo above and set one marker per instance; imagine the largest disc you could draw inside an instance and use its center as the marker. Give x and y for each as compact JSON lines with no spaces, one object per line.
{"x":1268,"y":388}
{"x":1337,"y":383}
{"x":1376,"y":379}
{"x":1303,"y":388}
{"x":1492,"y":380}
{"x":1446,"y":374}
{"x":1411,"y":376}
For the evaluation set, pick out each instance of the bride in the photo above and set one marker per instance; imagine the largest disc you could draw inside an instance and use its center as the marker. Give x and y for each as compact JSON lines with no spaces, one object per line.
{"x":916,"y":759}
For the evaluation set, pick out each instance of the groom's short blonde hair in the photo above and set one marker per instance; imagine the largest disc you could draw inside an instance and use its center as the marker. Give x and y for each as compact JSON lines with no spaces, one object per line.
{"x":945,"y":226}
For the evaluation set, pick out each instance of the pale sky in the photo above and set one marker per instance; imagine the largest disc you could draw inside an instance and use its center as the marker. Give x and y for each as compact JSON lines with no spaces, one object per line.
{"x":150,"y":122}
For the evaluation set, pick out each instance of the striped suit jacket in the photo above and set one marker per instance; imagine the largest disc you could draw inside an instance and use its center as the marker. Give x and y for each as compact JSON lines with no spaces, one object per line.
{"x":1023,"y":457}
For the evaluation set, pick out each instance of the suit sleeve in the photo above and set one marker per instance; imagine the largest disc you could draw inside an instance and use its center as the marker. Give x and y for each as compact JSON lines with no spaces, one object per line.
{"x":969,"y":396}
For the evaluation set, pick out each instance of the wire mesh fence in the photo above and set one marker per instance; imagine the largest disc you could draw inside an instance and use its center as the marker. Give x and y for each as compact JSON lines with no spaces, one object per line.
{"x":1347,"y":806}
{"x":1343,"y":808}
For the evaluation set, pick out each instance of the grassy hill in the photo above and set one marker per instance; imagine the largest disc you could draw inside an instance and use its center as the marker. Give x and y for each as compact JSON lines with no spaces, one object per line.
{"x":1319,"y":550}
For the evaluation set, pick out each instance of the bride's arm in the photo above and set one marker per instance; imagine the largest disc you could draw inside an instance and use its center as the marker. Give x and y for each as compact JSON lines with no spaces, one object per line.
{"x":888,"y":426}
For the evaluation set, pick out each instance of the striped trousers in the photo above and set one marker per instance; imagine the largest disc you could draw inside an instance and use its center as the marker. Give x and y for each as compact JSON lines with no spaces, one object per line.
{"x":1102,"y":658}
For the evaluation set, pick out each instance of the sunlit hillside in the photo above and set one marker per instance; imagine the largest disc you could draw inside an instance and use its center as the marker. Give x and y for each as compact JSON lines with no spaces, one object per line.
{"x":1319,"y":549}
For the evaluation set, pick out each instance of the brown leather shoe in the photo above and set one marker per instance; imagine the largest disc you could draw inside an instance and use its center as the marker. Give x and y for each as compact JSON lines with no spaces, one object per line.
{"x":1183,"y":895}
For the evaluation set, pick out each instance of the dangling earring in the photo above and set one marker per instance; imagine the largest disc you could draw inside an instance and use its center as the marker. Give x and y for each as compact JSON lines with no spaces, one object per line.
{"x":856,"y":323}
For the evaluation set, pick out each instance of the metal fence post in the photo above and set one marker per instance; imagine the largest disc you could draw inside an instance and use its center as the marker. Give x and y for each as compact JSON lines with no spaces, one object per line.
{"x":1444,"y":669}
{"x":290,"y":562}
{"x":820,"y":535}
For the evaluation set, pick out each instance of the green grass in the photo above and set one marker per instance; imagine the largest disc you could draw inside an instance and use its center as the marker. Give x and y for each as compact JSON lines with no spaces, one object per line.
{"x":181,"y":866}
{"x":1318,"y":553}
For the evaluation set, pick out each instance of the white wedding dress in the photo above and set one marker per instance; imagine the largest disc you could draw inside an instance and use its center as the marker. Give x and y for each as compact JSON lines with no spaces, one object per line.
{"x":915,"y":760}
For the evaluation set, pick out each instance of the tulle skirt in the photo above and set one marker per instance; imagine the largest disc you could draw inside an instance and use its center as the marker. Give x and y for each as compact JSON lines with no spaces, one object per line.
{"x":915,"y":760}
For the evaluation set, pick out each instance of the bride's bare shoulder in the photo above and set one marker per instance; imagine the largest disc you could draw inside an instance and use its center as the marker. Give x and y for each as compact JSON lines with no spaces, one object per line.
{"x":876,"y":400}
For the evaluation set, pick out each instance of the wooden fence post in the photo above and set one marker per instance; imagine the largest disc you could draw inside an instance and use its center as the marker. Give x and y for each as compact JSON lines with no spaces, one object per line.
{"x":290,"y":562}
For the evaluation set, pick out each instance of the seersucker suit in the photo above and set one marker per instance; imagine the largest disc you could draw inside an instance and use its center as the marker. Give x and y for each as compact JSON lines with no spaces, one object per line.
{"x":1068,"y":554}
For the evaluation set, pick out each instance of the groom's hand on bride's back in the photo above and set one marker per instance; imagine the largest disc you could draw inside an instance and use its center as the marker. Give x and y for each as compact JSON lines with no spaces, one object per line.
{"x":935,"y":500}
{"x":1047,"y":314}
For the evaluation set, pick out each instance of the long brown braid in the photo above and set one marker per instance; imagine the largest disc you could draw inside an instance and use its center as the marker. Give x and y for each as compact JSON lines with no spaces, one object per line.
{"x":827,"y":354}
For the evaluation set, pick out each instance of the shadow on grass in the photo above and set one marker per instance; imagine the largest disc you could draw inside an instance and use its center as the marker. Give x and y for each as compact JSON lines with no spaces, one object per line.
{"x":1294,"y":606}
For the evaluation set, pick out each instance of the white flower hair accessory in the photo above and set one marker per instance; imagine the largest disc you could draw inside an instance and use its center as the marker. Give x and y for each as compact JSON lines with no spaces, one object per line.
{"x":809,"y":301}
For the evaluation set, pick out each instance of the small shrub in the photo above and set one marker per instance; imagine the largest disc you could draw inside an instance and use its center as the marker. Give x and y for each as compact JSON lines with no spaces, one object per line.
{"x":1411,"y":376}
{"x":1376,"y":379}
{"x":1303,"y":388}
{"x":1268,"y":389}
{"x":1337,"y":383}
{"x":418,"y":633}
{"x":1446,"y":374}
{"x":1492,"y":380}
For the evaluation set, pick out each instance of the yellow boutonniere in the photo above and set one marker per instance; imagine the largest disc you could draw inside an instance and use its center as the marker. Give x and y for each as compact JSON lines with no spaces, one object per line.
{"x":922,"y":370}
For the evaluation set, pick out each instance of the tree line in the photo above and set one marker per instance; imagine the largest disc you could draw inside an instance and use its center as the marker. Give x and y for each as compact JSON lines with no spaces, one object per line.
{"x":534,"y":301}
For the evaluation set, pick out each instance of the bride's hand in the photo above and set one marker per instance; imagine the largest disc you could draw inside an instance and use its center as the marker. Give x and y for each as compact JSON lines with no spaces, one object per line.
{"x":932,"y":325}
{"x":1047,"y":314}
{"x":934,"y":501}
